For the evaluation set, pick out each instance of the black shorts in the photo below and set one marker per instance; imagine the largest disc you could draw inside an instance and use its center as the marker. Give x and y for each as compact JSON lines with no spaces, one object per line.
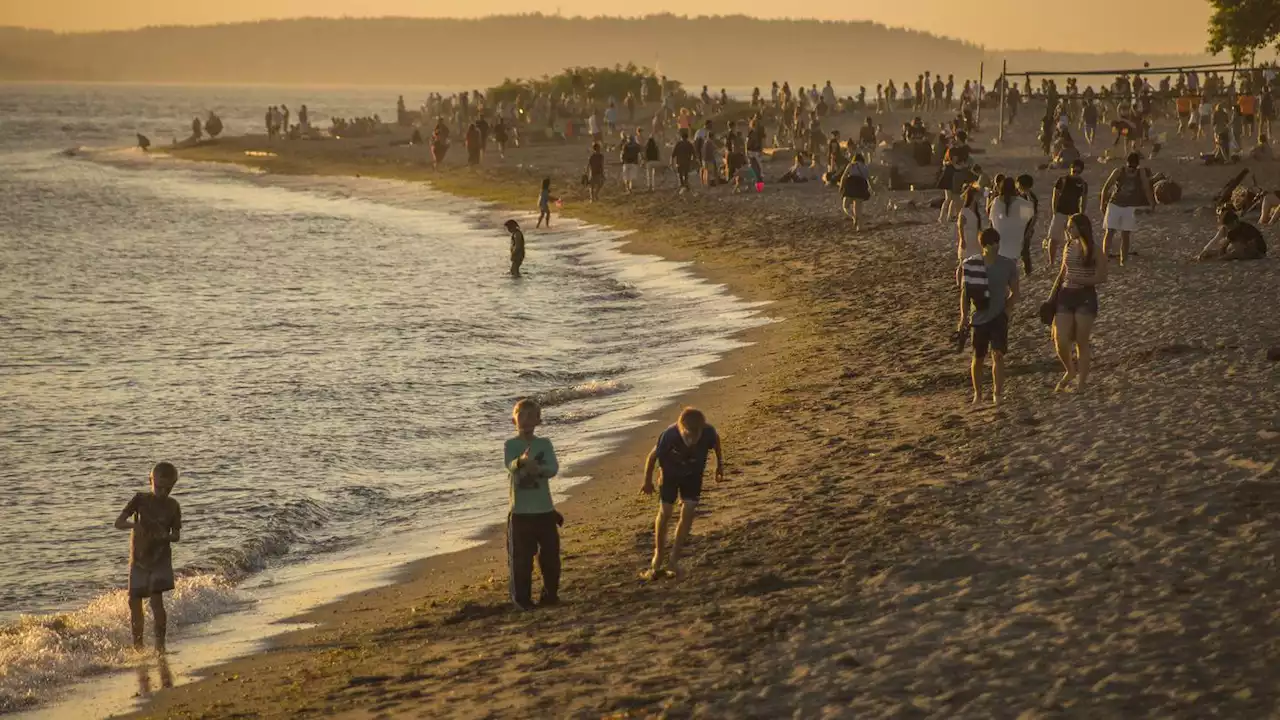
{"x":994,"y":335}
{"x":688,"y":488}
{"x":1078,"y":301}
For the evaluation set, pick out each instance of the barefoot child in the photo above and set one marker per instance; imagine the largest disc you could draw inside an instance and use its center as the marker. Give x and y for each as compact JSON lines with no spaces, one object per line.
{"x":681,"y":452}
{"x":533,"y":520}
{"x":156,"y":524}
{"x":517,"y":247}
{"x":544,"y":204}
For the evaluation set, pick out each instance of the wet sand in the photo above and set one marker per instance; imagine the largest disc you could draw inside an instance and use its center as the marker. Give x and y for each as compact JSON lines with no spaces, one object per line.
{"x":880,"y":547}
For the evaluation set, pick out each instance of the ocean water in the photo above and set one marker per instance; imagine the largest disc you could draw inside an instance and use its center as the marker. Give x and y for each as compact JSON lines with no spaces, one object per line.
{"x":330,"y":362}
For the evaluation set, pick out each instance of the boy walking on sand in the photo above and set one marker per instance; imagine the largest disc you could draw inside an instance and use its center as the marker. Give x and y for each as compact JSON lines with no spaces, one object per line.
{"x":532,"y":521}
{"x":681,"y":452}
{"x":990,"y":285}
{"x":155,"y":520}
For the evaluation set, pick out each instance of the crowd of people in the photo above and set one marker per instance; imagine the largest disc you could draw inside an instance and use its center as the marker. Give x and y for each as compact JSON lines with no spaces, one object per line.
{"x":277,"y":123}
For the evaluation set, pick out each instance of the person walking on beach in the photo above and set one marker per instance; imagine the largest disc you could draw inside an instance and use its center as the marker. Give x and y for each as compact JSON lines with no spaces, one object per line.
{"x":532,"y":521}
{"x":1070,"y":195}
{"x":155,"y":521}
{"x":989,"y":284}
{"x":651,"y":160}
{"x":855,"y":189}
{"x":710,"y":173}
{"x":969,"y":224}
{"x":473,"y":143}
{"x":544,"y":204}
{"x":1075,"y":297}
{"x":1127,"y":189}
{"x":681,"y":453}
{"x":630,"y":157}
{"x":595,"y":172}
{"x":1010,"y":213}
{"x":1026,"y":185}
{"x":682,"y":156}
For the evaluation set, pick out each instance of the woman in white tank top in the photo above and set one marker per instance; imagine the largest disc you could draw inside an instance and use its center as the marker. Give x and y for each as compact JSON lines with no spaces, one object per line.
{"x":969,"y":223}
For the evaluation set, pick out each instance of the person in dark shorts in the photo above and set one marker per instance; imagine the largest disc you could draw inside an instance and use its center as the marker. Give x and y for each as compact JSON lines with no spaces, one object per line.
{"x":155,"y":521}
{"x":1075,"y":296}
{"x":681,"y":452}
{"x":682,"y":156}
{"x":517,"y":246}
{"x":532,"y":520}
{"x":990,"y":286}
{"x":855,"y":189}
{"x":1069,"y":198}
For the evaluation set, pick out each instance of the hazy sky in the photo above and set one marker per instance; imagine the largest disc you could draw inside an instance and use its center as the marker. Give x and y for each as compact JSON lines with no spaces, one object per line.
{"x":1085,"y":25}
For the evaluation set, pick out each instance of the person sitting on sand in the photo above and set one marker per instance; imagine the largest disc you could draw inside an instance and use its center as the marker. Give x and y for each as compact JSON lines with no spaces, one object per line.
{"x":855,"y":189}
{"x":144,"y":142}
{"x":990,"y":286}
{"x":1262,"y":152}
{"x":799,"y":171}
{"x":532,"y":520}
{"x":155,"y":521}
{"x":1235,"y":240}
{"x":681,"y":453}
{"x":1075,"y":299}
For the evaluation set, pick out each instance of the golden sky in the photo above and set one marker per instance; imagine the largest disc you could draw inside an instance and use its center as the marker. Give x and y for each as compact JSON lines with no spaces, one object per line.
{"x":1155,"y":26}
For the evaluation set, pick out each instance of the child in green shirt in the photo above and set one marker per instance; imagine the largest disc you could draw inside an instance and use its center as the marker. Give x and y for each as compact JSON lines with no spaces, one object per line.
{"x":532,"y":521}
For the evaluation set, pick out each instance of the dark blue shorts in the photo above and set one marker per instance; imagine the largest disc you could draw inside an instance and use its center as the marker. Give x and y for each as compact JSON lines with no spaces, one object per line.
{"x":688,"y":488}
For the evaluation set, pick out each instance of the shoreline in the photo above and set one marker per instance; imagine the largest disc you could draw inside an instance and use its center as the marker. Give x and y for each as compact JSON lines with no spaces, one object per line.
{"x":440,"y":578}
{"x":881,"y":548}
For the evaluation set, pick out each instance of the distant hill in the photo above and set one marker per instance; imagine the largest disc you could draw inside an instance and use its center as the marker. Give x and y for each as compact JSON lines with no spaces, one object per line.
{"x":718,"y":51}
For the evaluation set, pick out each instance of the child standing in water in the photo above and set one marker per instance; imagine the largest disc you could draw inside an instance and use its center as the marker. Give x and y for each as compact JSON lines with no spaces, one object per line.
{"x":681,"y":452}
{"x":517,"y":247}
{"x":544,"y":204}
{"x":532,"y":521}
{"x":156,"y":523}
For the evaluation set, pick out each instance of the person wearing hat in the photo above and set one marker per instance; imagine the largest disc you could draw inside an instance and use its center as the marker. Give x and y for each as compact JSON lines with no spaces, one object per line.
{"x":517,"y":247}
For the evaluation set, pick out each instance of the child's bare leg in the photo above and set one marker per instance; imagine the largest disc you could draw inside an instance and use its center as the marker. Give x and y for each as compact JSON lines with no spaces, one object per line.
{"x":135,"y":620}
{"x":160,"y":618}
{"x":975,"y":377}
{"x":660,"y":535}
{"x":997,"y":376}
{"x":687,"y":510}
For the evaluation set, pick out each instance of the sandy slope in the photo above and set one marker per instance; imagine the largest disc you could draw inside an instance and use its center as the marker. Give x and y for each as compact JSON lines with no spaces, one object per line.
{"x":880,"y":549}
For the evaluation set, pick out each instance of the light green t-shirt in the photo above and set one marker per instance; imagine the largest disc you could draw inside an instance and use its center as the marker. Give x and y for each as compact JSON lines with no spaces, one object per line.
{"x":530,"y":491}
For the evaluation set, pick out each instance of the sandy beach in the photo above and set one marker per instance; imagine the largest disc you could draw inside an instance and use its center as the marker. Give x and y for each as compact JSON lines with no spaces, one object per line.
{"x":880,"y":548}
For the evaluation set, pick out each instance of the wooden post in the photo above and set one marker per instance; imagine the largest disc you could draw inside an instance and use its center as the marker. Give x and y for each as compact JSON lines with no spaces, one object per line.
{"x":978,"y":118}
{"x":1004,"y":89}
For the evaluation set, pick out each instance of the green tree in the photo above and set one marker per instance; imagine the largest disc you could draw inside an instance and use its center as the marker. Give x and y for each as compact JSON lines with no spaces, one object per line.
{"x":1243,"y":27}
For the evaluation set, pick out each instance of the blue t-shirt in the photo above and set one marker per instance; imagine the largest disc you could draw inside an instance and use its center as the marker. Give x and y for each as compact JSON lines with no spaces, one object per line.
{"x":678,"y":460}
{"x":544,"y":199}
